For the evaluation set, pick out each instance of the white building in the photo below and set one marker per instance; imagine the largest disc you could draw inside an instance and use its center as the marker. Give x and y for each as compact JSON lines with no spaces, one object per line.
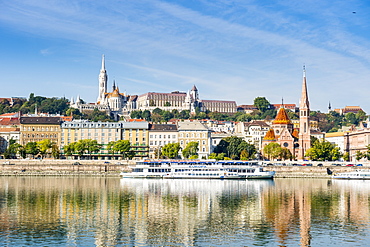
{"x":161,"y":135}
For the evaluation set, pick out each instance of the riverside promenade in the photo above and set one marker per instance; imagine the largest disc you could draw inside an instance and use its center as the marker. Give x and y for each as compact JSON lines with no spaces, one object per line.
{"x":45,"y":167}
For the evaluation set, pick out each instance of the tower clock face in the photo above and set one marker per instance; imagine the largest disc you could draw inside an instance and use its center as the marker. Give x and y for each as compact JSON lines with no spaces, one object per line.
{"x":285,"y":144}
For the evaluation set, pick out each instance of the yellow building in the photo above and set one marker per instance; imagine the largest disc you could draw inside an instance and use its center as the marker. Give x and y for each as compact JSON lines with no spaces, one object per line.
{"x":195,"y":132}
{"x":34,"y":129}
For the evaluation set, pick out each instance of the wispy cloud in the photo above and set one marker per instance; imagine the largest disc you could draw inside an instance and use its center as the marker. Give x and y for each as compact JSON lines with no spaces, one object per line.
{"x":237,"y":49}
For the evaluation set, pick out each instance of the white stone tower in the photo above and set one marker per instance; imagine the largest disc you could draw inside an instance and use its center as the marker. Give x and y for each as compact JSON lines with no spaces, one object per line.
{"x":103,"y":80}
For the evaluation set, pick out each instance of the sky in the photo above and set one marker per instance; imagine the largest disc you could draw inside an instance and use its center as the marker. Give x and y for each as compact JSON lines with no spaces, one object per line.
{"x":230,"y":49}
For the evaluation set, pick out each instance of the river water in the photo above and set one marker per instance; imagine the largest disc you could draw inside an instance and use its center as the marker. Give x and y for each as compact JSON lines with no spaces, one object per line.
{"x":95,"y":211}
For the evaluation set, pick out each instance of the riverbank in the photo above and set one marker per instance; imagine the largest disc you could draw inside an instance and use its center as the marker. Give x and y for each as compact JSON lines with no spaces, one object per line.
{"x":114,"y":168}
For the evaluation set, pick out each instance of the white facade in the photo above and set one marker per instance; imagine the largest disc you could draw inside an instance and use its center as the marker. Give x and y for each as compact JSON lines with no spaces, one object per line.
{"x":253,"y":132}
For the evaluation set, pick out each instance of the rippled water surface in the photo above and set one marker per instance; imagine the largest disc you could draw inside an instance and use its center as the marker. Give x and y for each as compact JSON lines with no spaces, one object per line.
{"x":90,"y":211}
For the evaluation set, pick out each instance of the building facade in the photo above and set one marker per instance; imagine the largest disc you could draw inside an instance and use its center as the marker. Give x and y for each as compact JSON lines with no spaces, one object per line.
{"x":195,"y":132}
{"x":106,"y":132}
{"x":34,"y":129}
{"x":161,"y":135}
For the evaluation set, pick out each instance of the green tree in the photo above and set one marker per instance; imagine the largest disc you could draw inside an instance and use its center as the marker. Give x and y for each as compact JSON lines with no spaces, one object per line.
{"x":45,"y":146}
{"x":190,"y":149}
{"x":166,"y":115}
{"x":359,"y":155}
{"x":184,"y":114}
{"x":146,"y":115}
{"x":171,"y":150}
{"x":32,"y":149}
{"x":69,"y":149}
{"x":136,"y":114}
{"x":122,"y":147}
{"x":261,"y":103}
{"x":110,"y":147}
{"x":285,"y":154}
{"x":346,"y":156}
{"x":55,"y":152}
{"x":272,"y":150}
{"x":323,"y":150}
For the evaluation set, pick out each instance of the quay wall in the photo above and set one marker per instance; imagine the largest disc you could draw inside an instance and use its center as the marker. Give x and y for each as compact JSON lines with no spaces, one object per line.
{"x":113,"y":168}
{"x":63,"y":167}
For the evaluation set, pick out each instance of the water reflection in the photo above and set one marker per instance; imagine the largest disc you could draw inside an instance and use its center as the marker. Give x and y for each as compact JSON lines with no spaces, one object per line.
{"x":140,"y":212}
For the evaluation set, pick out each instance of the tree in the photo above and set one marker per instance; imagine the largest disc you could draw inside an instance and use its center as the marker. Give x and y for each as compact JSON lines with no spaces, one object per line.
{"x":261,"y":103}
{"x":171,"y":150}
{"x":122,"y":147}
{"x":110,"y":147}
{"x":233,"y":146}
{"x":166,"y":115}
{"x":14,"y":149}
{"x":323,"y":150}
{"x":92,"y":146}
{"x":272,"y":150}
{"x":32,"y":149}
{"x":184,"y":114}
{"x":45,"y":146}
{"x":69,"y":149}
{"x":359,"y":155}
{"x":55,"y":152}
{"x":136,"y":114}
{"x":146,"y":115}
{"x":285,"y":154}
{"x":190,"y":149}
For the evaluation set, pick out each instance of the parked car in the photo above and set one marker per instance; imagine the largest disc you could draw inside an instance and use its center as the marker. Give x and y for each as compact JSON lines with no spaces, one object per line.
{"x":320,"y":165}
{"x":359,"y":165}
{"x":350,"y":165}
{"x":76,"y":163}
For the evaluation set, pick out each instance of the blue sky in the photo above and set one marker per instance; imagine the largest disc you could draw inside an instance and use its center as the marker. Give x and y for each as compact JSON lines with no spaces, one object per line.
{"x":231,"y":50}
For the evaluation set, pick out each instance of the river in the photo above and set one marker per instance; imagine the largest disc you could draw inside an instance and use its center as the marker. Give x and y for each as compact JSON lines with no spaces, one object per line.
{"x":99,"y":211}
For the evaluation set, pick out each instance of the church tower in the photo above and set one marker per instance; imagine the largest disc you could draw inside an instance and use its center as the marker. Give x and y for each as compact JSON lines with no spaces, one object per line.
{"x":103,"y":79}
{"x":304,"y":120}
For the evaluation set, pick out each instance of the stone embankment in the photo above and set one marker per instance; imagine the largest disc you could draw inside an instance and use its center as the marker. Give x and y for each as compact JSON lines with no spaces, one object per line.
{"x":308,"y":171}
{"x":113,"y":168}
{"x":63,"y":167}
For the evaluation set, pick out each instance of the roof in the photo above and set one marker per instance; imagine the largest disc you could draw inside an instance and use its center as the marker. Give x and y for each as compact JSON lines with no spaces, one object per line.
{"x":9,"y":115}
{"x":41,"y":120}
{"x":282,"y":117}
{"x":295,"y":133}
{"x":270,"y":135}
{"x":256,"y":122}
{"x":162,"y":127}
{"x":286,"y":106}
{"x":334,"y":134}
{"x":187,"y":125}
{"x":9,"y":121}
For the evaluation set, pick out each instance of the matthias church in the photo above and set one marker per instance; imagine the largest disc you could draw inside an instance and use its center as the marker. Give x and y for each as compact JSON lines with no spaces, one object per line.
{"x":120,"y":104}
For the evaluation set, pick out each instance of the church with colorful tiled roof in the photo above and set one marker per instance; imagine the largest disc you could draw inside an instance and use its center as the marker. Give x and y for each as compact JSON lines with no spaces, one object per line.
{"x":298,"y":141}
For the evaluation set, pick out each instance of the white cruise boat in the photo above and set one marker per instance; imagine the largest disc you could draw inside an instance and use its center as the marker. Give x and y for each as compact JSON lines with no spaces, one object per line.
{"x":198,"y":169}
{"x":357,"y":174}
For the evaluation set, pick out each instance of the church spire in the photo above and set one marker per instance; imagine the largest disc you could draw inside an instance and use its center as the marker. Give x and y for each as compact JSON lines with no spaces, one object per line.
{"x":103,"y":63}
{"x":103,"y":81}
{"x":114,"y":85}
{"x":304,"y":97}
{"x":304,"y":120}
